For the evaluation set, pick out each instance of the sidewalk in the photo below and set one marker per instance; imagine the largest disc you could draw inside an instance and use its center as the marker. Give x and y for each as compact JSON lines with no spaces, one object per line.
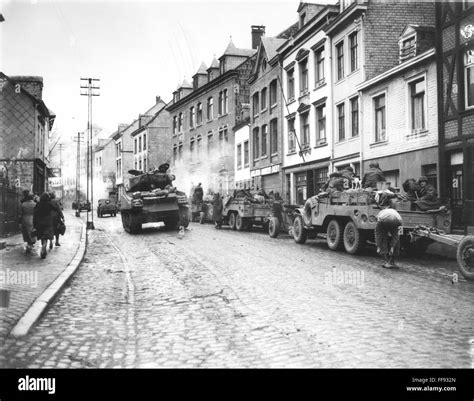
{"x":30,"y":278}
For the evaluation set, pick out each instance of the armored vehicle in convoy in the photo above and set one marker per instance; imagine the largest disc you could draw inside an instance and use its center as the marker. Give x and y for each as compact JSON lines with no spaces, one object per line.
{"x":106,"y":206}
{"x":150,"y":197}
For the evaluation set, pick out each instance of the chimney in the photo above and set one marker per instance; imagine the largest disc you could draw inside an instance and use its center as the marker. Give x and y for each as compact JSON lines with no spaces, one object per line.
{"x":257,"y":32}
{"x":122,"y":127}
{"x":158,"y":99}
{"x":33,"y":85}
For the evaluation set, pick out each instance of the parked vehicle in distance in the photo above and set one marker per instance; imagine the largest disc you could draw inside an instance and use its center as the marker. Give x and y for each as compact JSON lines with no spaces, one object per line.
{"x":106,"y":206}
{"x":81,"y":205}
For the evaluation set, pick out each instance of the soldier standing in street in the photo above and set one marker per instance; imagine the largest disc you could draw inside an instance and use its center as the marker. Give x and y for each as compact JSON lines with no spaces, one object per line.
{"x":217,"y":207}
{"x":387,"y":237}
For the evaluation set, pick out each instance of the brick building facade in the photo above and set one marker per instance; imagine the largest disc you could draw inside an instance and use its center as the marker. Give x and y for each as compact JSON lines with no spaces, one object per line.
{"x":203,"y":115}
{"x":26,"y":123}
{"x":266,"y":110}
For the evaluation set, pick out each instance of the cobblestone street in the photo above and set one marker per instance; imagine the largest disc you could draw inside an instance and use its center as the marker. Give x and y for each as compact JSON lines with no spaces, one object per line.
{"x":221,"y":298}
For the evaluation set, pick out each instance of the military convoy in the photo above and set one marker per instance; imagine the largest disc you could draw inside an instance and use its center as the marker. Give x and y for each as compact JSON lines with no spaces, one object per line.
{"x":150,"y":197}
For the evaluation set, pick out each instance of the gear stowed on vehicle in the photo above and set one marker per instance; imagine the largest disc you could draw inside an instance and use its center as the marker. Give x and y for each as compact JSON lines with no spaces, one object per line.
{"x":150,"y":197}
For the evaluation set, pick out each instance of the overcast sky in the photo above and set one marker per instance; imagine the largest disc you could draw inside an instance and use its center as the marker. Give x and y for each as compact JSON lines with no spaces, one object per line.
{"x":139,"y":50}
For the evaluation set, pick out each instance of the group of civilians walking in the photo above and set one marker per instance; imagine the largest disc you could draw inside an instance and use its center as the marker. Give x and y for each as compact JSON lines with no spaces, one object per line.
{"x":41,"y":218}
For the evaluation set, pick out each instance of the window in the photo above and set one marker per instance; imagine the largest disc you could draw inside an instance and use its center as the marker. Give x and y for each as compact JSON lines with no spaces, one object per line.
{"x":321,"y":124}
{"x":320,"y":177}
{"x":469,"y":78}
{"x":199,"y":114}
{"x":180,"y":122}
{"x":430,"y":171}
{"x":340,"y":60}
{"x":191,"y":117}
{"x":392,"y":177}
{"x":223,"y":138}
{"x":246,"y":153}
{"x":341,"y":122}
{"x":417,"y":94}
{"x":221,"y":103}
{"x":379,"y":111}
{"x":175,"y":125}
{"x":256,"y":143}
{"x":302,"y":19}
{"x":239,"y":156}
{"x":144,"y":141}
{"x":180,"y":151}
{"x":353,"y":42}
{"x":175,"y":153}
{"x":274,"y":136}
{"x":135,"y":165}
{"x":210,"y":108}
{"x":304,"y":123}
{"x":191,"y":148}
{"x":301,"y":188}
{"x":319,"y":66}
{"x":273,"y":93}
{"x":263,"y":99}
{"x":264,"y":140}
{"x":226,"y":102}
{"x":291,"y":136}
{"x":303,"y":76}
{"x":140,"y":144}
{"x":209,"y":142}
{"x":199,"y":147}
{"x":140,"y":165}
{"x":255,"y":103}
{"x":354,"y":116}
{"x":135,"y":146}
{"x":290,"y":76}
{"x":144,"y":164}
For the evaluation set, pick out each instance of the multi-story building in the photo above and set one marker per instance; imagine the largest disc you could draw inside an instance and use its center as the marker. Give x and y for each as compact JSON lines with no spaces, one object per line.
{"x":25,"y":123}
{"x":455,"y":62}
{"x":123,"y":153}
{"x":152,"y":139}
{"x":143,"y":144}
{"x":307,"y":91}
{"x":266,"y":108}
{"x":242,"y":155}
{"x":203,"y":115}
{"x":104,"y":169}
{"x":363,"y":44}
{"x":399,"y":112}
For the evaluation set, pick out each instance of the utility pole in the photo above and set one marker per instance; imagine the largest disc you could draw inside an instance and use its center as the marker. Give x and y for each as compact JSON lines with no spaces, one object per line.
{"x":91,"y":91}
{"x":79,"y":140}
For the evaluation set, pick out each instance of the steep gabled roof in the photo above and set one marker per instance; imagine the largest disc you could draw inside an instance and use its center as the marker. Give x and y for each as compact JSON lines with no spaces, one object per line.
{"x":234,"y":51}
{"x":214,"y":64}
{"x":271,"y":45}
{"x":202,"y":69}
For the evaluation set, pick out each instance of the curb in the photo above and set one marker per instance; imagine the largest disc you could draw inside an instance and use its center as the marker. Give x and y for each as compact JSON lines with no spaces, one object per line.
{"x":34,"y":312}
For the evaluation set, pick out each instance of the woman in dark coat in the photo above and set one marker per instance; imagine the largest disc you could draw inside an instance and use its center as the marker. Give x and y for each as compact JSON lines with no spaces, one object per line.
{"x":58,"y":217}
{"x":43,"y":221}
{"x":26,"y":220}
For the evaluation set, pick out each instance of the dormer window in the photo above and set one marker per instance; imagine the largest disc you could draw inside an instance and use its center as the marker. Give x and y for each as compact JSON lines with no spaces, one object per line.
{"x":222,"y":66}
{"x":414,"y":41}
{"x":408,"y":48}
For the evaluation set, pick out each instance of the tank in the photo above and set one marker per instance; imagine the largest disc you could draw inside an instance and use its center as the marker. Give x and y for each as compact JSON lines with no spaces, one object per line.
{"x":150,"y":198}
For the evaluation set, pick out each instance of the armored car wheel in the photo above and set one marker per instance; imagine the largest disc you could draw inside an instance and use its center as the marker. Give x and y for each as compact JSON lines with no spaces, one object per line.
{"x":352,"y":238}
{"x":240,"y":223}
{"x":232,"y":220}
{"x":274,"y":227}
{"x":465,"y":257}
{"x":334,"y":235}
{"x":299,"y":232}
{"x":126,"y":221}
